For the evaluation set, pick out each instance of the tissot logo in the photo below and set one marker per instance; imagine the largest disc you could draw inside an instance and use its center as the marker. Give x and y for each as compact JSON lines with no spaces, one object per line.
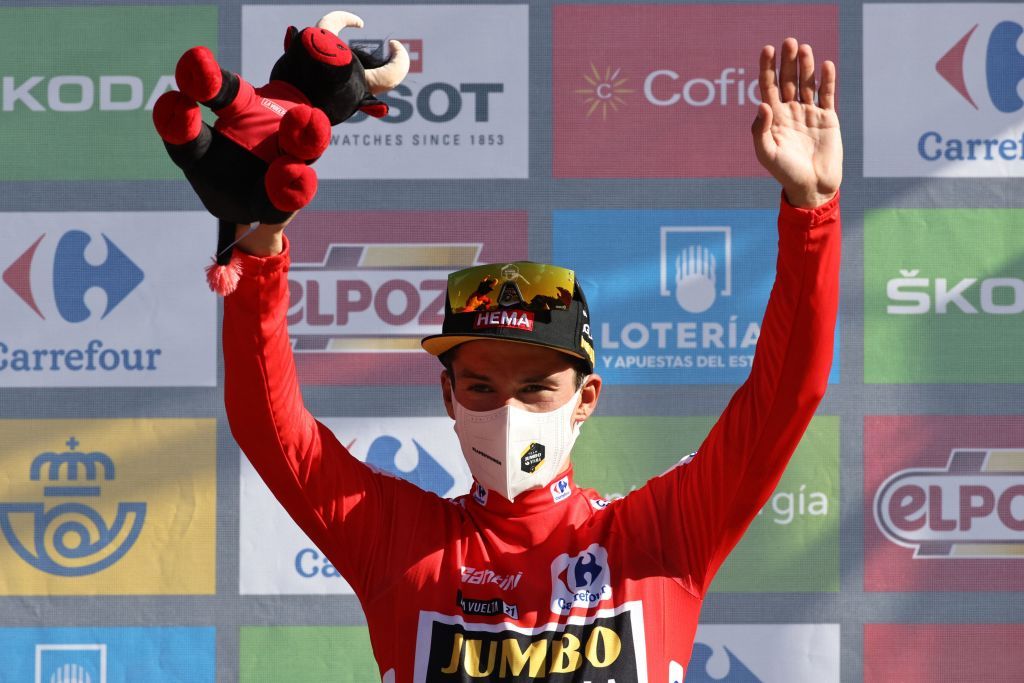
{"x":461,"y":112}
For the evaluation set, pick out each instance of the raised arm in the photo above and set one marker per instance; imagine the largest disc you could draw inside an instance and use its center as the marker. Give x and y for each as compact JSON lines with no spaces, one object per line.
{"x":339,"y":502}
{"x":701,"y":509}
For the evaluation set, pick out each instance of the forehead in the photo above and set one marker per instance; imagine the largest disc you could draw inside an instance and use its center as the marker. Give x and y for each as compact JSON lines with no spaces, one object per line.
{"x":496,"y":356}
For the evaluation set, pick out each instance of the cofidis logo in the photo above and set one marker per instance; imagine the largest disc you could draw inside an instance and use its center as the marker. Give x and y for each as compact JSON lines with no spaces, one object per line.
{"x":106,"y":299}
{"x":680,"y":300}
{"x":945,"y":510}
{"x":94,"y":507}
{"x":684,"y":75}
{"x":941,"y":90}
{"x":944,"y":296}
{"x":278,"y":558}
{"x":366,"y":287}
{"x":108,"y":655}
{"x":81,"y":108}
{"x":463,"y":110}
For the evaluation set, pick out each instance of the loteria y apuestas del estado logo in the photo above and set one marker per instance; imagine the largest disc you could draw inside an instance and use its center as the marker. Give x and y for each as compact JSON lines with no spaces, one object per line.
{"x":944,"y":511}
{"x":366,"y":287}
{"x":90,"y":98}
{"x":688,"y":308}
{"x":943,"y":100}
{"x":691,"y":88}
{"x":77,"y":292}
{"x":451,"y":117}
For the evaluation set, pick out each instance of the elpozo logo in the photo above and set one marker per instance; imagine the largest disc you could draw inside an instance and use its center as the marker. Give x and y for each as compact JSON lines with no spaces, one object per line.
{"x":92,"y":90}
{"x":451,"y":117}
{"x":360,"y":303}
{"x":967,"y":66}
{"x":970,"y":508}
{"x":78,"y":292}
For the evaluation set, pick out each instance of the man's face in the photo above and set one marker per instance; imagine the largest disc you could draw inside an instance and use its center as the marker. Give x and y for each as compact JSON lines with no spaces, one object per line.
{"x":491,"y":373}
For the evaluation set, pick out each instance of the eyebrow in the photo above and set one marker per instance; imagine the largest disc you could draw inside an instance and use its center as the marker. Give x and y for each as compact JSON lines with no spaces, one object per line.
{"x":469,"y":374}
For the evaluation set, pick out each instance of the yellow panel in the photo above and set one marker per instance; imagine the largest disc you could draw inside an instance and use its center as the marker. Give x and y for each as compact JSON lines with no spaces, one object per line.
{"x":420,"y":256}
{"x":1005,"y":460}
{"x":375,"y":344}
{"x":159,"y":474}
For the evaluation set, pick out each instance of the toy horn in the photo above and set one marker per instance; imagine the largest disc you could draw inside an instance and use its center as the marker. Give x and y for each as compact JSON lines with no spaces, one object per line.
{"x":338,"y":20}
{"x":391,"y":74}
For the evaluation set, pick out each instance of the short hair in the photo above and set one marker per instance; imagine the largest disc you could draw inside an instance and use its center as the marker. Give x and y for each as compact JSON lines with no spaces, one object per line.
{"x":579,"y":366}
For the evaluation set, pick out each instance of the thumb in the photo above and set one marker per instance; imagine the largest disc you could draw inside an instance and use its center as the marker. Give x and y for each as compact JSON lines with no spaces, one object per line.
{"x":761,"y":129}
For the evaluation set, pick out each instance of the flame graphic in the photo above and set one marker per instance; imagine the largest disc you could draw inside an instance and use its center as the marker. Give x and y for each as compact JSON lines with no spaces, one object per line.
{"x":604,"y":92}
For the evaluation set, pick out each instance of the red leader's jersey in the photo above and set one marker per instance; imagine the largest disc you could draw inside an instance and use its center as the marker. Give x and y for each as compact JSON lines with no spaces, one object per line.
{"x":559,"y":585}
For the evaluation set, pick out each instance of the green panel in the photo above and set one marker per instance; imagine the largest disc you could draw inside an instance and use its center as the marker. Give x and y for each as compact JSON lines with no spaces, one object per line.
{"x":55,"y":59}
{"x":792,"y":545}
{"x":960,"y":334}
{"x":306,"y":654}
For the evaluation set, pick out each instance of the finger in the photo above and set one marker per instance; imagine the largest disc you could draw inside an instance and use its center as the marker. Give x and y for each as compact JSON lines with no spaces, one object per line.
{"x":787,"y":70}
{"x":827,"y":89}
{"x":766,"y":78}
{"x":805,"y":59}
{"x":764,"y":143}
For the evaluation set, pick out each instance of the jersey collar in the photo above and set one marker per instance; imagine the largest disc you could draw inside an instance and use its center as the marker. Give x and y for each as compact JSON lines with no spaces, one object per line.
{"x":528,"y":502}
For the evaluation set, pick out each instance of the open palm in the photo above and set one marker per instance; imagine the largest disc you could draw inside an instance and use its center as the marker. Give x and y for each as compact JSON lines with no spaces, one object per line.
{"x":795,"y":139}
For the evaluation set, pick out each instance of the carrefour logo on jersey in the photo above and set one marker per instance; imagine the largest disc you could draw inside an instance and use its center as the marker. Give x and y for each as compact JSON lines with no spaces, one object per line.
{"x":366,"y":287}
{"x":681,"y":300}
{"x":81,"y":109}
{"x":463,"y":110}
{"x":952,"y":497}
{"x":107,"y":655}
{"x":79,"y":514}
{"x":686,"y":75}
{"x":949,"y":275}
{"x":106,"y":299}
{"x":941,"y":91}
{"x":278,"y":558}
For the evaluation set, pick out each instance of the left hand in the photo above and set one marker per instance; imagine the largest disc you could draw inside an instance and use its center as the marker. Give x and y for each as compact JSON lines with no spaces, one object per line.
{"x":796,"y":140}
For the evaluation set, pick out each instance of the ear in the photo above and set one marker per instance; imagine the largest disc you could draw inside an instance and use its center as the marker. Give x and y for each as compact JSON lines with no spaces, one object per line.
{"x":374,"y":107}
{"x":588,"y":398}
{"x":446,"y":393}
{"x":289,"y":36}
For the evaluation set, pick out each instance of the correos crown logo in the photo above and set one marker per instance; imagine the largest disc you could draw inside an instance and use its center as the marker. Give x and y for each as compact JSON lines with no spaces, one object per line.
{"x":71,"y":538}
{"x":1004,"y":66}
{"x":73,"y":276}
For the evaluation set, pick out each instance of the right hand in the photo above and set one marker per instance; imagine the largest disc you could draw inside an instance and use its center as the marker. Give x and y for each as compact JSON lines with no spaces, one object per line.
{"x":265,"y":240}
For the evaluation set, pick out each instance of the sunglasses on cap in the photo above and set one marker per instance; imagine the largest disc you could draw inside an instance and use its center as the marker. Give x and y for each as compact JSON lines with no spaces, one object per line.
{"x":523,"y":285}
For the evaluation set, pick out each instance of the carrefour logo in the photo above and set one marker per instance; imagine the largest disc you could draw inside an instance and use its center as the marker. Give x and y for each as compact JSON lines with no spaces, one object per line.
{"x":73,"y":276}
{"x":973,"y":507}
{"x":70,"y":537}
{"x":1004,"y":66}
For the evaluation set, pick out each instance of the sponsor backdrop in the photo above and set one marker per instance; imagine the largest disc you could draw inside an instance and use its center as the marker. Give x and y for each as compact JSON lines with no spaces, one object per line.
{"x":136,"y":543}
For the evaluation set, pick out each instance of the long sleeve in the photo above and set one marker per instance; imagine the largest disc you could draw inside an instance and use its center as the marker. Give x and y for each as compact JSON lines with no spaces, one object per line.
{"x":700,"y":509}
{"x":338,"y":501}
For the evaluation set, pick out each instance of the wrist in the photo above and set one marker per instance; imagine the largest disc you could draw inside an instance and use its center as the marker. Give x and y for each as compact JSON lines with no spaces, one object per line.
{"x":804,"y":198}
{"x":265,"y":240}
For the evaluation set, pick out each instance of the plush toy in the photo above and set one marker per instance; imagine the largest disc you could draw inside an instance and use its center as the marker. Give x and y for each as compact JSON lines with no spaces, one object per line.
{"x":253,"y":165}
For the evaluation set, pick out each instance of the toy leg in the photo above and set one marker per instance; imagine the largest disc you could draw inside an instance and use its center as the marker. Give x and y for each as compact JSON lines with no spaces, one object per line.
{"x":200,"y":77}
{"x":178,"y":119}
{"x":290,"y":184}
{"x":304,"y":133}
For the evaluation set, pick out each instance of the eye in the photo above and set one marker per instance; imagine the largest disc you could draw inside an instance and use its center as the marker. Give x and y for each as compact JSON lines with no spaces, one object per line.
{"x":479,"y":388}
{"x":535,"y":388}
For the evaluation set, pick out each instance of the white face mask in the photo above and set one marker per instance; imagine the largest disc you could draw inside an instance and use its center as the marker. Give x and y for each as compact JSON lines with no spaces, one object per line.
{"x":511,"y":450}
